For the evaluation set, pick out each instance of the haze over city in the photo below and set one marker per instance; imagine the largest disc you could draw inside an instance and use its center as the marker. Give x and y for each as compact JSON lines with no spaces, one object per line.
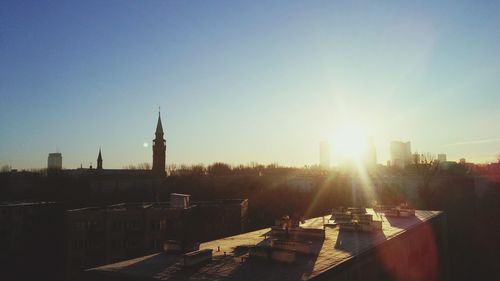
{"x":246,"y":81}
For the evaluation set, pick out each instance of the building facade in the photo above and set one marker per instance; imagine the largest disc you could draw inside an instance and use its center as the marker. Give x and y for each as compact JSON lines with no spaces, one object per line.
{"x":54,"y":161}
{"x":441,"y":158}
{"x":371,"y":154}
{"x":324,"y":155}
{"x":31,"y":241}
{"x":400,"y":153}
{"x":97,"y":236}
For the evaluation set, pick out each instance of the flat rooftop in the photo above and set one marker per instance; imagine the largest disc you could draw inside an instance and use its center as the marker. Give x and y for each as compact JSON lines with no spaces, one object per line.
{"x":336,"y":248}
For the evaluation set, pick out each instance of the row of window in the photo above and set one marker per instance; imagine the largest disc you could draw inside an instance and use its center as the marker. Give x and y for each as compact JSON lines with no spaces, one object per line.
{"x":124,"y":244}
{"x":120,"y":225}
{"x":82,"y":244}
{"x":155,"y":244}
{"x":86,"y":225}
{"x":158,"y":225}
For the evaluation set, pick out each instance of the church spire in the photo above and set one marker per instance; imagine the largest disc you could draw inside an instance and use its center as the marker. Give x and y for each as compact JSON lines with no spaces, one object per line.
{"x":159,"y":149}
{"x":99,"y":160}
{"x":159,"y":127}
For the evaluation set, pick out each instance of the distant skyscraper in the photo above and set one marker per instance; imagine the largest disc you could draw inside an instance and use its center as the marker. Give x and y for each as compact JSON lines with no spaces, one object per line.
{"x":99,"y":161}
{"x":324,"y":155}
{"x":442,"y":158}
{"x":159,"y":149}
{"x":54,"y":161}
{"x":371,"y":154}
{"x":400,"y":153}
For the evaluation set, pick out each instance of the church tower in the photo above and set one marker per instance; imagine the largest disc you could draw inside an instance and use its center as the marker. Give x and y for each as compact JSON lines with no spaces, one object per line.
{"x":159,"y":149}
{"x":99,"y":160}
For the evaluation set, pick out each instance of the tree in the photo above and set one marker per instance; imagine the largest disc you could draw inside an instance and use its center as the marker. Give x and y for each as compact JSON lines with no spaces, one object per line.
{"x":140,"y":166}
{"x":144,"y":166}
{"x":427,"y":158}
{"x":219,"y":169}
{"x":416,"y":158}
{"x":5,"y":169}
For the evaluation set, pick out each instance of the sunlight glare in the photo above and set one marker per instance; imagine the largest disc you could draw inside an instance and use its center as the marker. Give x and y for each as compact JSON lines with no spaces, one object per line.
{"x":349,"y":143}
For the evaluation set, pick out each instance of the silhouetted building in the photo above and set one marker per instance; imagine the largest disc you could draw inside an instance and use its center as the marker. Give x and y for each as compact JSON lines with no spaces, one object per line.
{"x":412,"y":248}
{"x":159,"y":149}
{"x":54,"y":162}
{"x":400,"y":153}
{"x":101,"y":235}
{"x":97,"y":236}
{"x":324,"y":155}
{"x":31,"y":241}
{"x":371,"y":154}
{"x":441,"y":158}
{"x":99,"y":160}
{"x":221,"y":218}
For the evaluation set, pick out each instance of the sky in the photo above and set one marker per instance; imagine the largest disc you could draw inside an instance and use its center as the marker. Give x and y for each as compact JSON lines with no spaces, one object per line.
{"x":245,"y":81}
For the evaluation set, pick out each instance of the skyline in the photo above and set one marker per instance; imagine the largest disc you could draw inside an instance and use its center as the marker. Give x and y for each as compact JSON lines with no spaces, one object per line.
{"x":245,"y":82}
{"x":355,"y":151}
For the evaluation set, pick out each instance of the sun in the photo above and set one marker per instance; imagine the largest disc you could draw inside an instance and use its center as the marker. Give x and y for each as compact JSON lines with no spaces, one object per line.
{"x":349,"y":143}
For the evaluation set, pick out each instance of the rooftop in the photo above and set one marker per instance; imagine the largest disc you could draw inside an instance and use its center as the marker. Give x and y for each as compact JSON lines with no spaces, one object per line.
{"x":228,"y":263}
{"x":128,"y":206}
{"x":19,"y":204}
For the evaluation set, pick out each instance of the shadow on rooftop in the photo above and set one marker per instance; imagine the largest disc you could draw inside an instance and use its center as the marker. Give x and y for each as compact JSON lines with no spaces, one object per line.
{"x":354,"y":242}
{"x":403,"y":222}
{"x":301,"y":269}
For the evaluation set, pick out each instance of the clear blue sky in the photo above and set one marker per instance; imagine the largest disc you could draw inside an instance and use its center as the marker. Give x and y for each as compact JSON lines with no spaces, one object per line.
{"x":242,"y":81}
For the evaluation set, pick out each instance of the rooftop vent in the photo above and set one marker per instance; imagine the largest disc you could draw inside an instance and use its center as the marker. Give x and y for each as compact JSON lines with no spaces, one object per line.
{"x":179,"y":201}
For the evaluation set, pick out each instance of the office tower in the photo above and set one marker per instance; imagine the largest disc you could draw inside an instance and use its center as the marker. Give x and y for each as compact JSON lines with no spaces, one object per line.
{"x":54,"y":161}
{"x":400,"y":153}
{"x":324,"y":155}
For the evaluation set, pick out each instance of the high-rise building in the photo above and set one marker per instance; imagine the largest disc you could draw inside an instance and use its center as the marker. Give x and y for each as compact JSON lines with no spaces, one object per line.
{"x":442,"y":158}
{"x":54,"y":161}
{"x":159,"y":149}
{"x":400,"y":153}
{"x":371,"y":154}
{"x":324,"y":155}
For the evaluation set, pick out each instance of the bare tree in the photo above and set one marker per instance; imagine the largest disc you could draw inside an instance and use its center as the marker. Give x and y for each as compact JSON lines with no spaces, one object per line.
{"x":415,"y":158}
{"x":140,"y":166}
{"x":130,"y":167}
{"x":5,"y":169}
{"x":427,"y":158}
{"x":144,"y":166}
{"x":219,"y":169}
{"x":172,"y":169}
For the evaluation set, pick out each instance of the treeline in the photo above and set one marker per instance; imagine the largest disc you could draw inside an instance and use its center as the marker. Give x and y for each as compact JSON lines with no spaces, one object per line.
{"x":224,"y":169}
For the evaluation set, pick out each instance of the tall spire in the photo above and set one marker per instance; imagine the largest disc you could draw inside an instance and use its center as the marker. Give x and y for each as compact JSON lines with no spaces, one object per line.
{"x":99,"y":160}
{"x":159,"y":127}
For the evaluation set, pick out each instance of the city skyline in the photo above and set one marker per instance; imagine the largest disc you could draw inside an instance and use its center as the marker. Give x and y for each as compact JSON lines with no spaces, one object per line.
{"x":79,"y":76}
